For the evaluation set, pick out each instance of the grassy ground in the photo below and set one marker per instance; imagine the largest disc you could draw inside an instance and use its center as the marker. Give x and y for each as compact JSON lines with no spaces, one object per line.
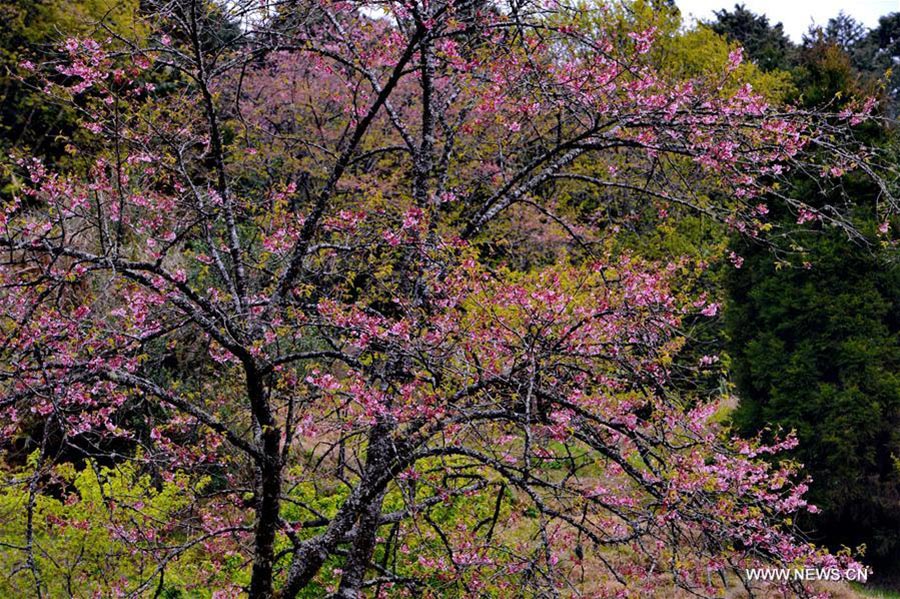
{"x":868,"y":591}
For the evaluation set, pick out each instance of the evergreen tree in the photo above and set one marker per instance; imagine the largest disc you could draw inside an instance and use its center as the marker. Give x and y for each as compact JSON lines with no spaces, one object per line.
{"x":815,"y":341}
{"x":765,"y":44}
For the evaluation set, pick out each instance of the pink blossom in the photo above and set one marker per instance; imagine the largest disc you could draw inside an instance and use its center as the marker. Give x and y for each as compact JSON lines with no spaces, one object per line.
{"x":735,"y":58}
{"x":710,"y":309}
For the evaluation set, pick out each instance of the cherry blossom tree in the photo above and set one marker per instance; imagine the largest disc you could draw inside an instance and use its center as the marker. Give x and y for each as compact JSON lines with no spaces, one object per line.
{"x":281,"y":270}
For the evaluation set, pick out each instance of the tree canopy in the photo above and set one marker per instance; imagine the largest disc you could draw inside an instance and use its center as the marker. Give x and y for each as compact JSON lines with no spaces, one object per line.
{"x":340,"y":299}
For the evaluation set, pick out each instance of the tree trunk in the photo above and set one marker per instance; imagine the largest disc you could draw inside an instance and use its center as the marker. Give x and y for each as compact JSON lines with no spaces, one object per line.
{"x":377,"y":457}
{"x":268,"y":493}
{"x":364,"y":506}
{"x":361,"y":554}
{"x":266,"y":521}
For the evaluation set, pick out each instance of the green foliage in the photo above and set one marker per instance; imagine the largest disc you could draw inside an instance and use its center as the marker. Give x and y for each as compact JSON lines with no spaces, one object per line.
{"x":767,"y":45}
{"x":872,"y":53}
{"x":818,"y":350}
{"x":457,"y":513}
{"x":703,"y":50}
{"x":93,"y":520}
{"x":32,"y":31}
{"x":814,"y":340}
{"x":699,"y":51}
{"x":824,"y":74}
